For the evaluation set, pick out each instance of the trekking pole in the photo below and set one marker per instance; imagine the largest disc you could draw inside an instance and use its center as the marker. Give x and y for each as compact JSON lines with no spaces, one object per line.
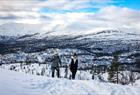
{"x":67,"y":67}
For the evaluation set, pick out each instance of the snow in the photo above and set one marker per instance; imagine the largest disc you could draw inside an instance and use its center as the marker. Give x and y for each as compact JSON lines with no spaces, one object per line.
{"x":137,"y":83}
{"x":19,"y":83}
{"x":45,"y":70}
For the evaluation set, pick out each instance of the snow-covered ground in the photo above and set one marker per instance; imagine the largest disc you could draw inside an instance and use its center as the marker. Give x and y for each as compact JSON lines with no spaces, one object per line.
{"x":19,"y":83}
{"x":45,"y":70}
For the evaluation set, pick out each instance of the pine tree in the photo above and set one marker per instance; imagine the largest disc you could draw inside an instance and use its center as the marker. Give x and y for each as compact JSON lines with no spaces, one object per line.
{"x":138,"y":63}
{"x":113,"y":71}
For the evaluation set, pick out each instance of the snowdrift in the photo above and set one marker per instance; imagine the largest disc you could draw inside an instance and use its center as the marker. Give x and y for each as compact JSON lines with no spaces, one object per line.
{"x":18,"y":83}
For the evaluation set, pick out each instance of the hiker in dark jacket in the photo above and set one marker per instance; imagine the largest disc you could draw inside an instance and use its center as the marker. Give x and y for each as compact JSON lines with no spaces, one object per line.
{"x":56,"y":62}
{"x":74,"y":65}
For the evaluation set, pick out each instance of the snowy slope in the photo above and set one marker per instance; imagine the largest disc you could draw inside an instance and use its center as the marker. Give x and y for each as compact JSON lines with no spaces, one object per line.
{"x":16,"y":29}
{"x":97,"y":42}
{"x":16,"y":83}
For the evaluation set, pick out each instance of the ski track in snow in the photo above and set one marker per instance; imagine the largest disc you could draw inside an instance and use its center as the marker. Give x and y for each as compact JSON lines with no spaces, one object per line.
{"x":18,"y":83}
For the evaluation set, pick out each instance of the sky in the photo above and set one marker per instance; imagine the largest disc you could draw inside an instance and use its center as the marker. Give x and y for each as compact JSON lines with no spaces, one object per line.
{"x":71,"y":15}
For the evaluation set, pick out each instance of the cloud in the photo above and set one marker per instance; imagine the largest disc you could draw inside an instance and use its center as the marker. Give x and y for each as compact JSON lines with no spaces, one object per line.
{"x":31,"y":9}
{"x":107,"y":16}
{"x":120,"y":16}
{"x":110,"y":17}
{"x":17,"y":5}
{"x":74,"y":4}
{"x":34,"y":5}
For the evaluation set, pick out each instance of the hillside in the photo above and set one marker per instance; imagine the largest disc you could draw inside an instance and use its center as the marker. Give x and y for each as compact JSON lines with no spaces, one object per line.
{"x":99,"y":45}
{"x":17,"y":83}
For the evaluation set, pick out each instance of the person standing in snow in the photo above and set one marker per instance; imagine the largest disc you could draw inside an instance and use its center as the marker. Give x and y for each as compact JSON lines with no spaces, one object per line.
{"x":56,"y":62}
{"x":74,"y":65}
